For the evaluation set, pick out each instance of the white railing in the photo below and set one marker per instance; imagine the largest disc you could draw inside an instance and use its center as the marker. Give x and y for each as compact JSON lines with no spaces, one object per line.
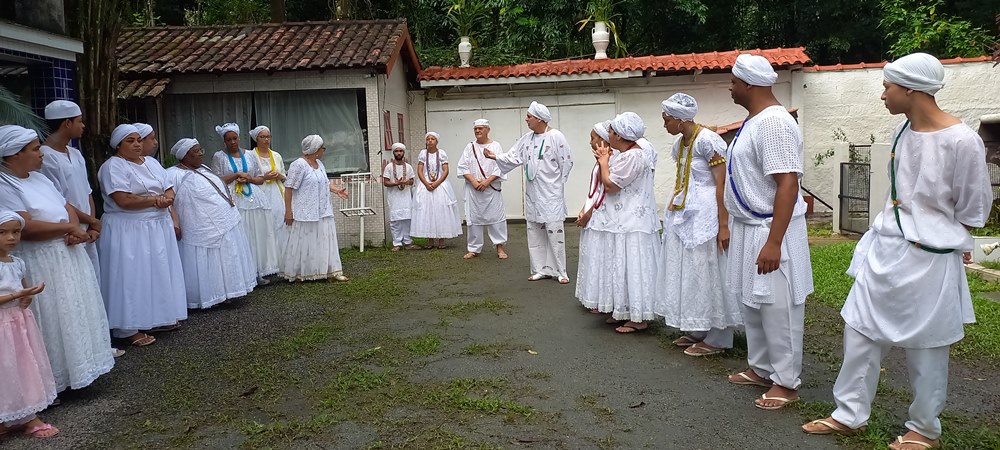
{"x":362,"y":195}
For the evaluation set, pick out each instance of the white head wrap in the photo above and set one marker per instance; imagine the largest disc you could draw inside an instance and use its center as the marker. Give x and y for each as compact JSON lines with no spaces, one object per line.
{"x":14,"y":138}
{"x":121,"y":132}
{"x":601,"y":128}
{"x":62,"y":109}
{"x":398,"y":145}
{"x":755,"y":70}
{"x":917,"y":71}
{"x":680,"y":106}
{"x":144,"y":129}
{"x":311,"y":144}
{"x":481,"y":123}
{"x":227,"y":127}
{"x":182,"y":147}
{"x":540,"y":111}
{"x":7,"y":216}
{"x":629,"y":126}
{"x":432,"y":133}
{"x":254,"y":132}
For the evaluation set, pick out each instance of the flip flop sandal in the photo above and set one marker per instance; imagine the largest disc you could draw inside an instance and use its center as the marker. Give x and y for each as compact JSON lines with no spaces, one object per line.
{"x":685,"y":341}
{"x":117,"y":353}
{"x":563,"y":280}
{"x":470,"y":255}
{"x":928,"y":445}
{"x":340,"y":277}
{"x":502,"y":256}
{"x":745,"y":380}
{"x":143,"y":341}
{"x":411,"y":247}
{"x":395,"y":248}
{"x":632,"y":329}
{"x":539,"y":276}
{"x":784,"y":402}
{"x":830,"y":427}
{"x":698,"y":350}
{"x":35,"y":430}
{"x":428,"y":247}
{"x":613,"y":321}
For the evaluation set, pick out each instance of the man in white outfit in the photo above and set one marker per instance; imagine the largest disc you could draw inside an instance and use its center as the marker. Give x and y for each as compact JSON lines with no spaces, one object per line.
{"x":910,"y":289}
{"x":483,"y":200}
{"x":768,"y":269}
{"x":547,"y":161}
{"x":397,"y":177}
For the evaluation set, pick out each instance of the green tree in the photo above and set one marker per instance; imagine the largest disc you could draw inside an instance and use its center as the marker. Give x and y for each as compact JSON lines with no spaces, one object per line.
{"x":910,"y":27}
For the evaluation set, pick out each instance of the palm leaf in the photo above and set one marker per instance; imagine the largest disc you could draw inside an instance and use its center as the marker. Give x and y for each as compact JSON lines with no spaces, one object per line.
{"x":12,"y":111}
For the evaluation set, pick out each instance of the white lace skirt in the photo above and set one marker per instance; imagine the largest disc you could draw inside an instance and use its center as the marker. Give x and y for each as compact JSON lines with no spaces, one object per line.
{"x":312,"y":252}
{"x":692,"y":286}
{"x":214,"y":275}
{"x":70,"y":312}
{"x":142,"y":277}
{"x":617,"y":273}
{"x":259,"y":226}
{"x":435,"y":213}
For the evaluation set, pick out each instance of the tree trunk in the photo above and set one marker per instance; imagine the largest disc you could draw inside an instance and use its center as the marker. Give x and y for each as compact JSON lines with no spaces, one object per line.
{"x":277,"y":11}
{"x":97,"y":74}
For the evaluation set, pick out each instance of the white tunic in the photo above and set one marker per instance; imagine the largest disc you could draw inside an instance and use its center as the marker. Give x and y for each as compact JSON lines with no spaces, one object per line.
{"x":628,"y":210}
{"x":221,"y":165}
{"x":400,"y":200}
{"x":205,"y":215}
{"x":37,"y":196}
{"x":273,"y":189}
{"x":698,"y":221}
{"x":482,"y":207}
{"x":548,"y":160}
{"x":311,"y":199}
{"x":68,"y":172}
{"x":767,"y":144}
{"x":902,"y":294}
{"x":119,"y":175}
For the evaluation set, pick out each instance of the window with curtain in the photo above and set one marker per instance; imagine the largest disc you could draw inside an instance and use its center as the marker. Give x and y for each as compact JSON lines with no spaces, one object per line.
{"x":196,"y":115}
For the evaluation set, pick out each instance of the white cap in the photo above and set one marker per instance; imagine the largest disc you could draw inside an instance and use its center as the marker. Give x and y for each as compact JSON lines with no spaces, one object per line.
{"x":62,"y":109}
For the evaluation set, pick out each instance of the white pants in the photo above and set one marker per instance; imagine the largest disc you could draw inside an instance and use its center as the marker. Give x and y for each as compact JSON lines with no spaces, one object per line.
{"x":497,"y":232}
{"x":774,"y":337}
{"x":400,"y":232}
{"x":858,"y":380}
{"x":716,"y":337}
{"x":547,"y":249}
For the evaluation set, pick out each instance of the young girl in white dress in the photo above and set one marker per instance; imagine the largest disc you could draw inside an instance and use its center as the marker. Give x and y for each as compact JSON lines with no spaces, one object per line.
{"x":435,"y":208}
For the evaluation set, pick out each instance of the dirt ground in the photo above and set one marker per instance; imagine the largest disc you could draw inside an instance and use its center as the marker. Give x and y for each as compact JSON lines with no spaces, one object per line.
{"x":423,"y":349}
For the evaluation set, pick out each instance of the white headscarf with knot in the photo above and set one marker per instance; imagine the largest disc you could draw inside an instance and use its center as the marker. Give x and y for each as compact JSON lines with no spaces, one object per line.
{"x":540,"y":111}
{"x":7,"y":216}
{"x":398,"y":145}
{"x":121,"y":132}
{"x":629,"y":126}
{"x":432,"y":133}
{"x":755,"y":70}
{"x":13,"y":139}
{"x":256,"y":131}
{"x":311,"y":144}
{"x":227,"y":127}
{"x":144,"y":129}
{"x":918,"y":71}
{"x":601,"y":128}
{"x":182,"y":147}
{"x":680,"y":106}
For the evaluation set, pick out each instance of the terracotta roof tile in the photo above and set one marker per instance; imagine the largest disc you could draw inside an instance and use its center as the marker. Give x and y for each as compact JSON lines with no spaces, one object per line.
{"x":142,"y":88}
{"x":781,"y":57}
{"x":879,"y":65}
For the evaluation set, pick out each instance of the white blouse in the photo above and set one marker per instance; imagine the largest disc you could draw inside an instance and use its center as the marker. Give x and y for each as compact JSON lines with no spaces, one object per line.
{"x":311,"y":195}
{"x":35,"y":195}
{"x":121,"y":175}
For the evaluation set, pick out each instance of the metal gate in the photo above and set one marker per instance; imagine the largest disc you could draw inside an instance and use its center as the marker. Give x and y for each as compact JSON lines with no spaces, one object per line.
{"x":855,"y":190}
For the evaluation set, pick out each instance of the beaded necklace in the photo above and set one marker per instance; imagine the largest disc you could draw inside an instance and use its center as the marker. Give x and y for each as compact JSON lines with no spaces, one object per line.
{"x":682,"y":183}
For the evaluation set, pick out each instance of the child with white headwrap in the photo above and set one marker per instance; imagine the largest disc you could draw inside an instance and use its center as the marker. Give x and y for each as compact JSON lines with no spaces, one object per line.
{"x":910,"y":289}
{"x":27,"y":386}
{"x":435,"y":208}
{"x":311,"y":252}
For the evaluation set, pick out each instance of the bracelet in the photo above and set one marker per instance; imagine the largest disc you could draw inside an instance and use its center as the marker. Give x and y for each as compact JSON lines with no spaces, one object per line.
{"x":716,"y":161}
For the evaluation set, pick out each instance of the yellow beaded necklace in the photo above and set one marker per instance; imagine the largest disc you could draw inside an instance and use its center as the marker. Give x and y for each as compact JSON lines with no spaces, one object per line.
{"x":681,"y":183}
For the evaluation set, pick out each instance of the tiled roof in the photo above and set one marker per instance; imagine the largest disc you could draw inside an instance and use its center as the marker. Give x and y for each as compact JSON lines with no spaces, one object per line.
{"x":723,"y":129}
{"x":341,"y":44}
{"x":880,"y":65}
{"x":142,"y":88}
{"x":781,"y":57}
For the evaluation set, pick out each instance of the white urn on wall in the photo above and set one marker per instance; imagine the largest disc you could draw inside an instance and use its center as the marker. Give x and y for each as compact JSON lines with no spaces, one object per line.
{"x":464,"y":51}
{"x":601,"y":38}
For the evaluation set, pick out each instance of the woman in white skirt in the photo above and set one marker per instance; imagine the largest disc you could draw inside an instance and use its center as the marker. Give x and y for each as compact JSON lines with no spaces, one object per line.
{"x":620,"y":252}
{"x":70,"y":310}
{"x":312,"y":252}
{"x":435,"y":208}
{"x":215,"y":254}
{"x":595,"y":198}
{"x":695,"y":237}
{"x":244,"y":176}
{"x":274,"y":178}
{"x":142,"y":280}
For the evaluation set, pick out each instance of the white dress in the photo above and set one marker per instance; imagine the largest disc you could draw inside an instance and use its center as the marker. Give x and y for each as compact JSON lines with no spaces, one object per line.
{"x":312,"y":252}
{"x":143,"y":280}
{"x":400,"y":200}
{"x":274,"y":190}
{"x":435,"y":213}
{"x":693,"y":272}
{"x":904,"y":295}
{"x":547,"y":161}
{"x":255,"y":209}
{"x":68,"y":172}
{"x":620,"y":249}
{"x":69,"y":311}
{"x":215,"y":253}
{"x":482,"y":207}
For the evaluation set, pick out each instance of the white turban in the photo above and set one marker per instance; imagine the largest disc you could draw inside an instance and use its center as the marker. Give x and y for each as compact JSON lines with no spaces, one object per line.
{"x":601,"y":128}
{"x":14,"y":138}
{"x":227,"y":127}
{"x":182,"y":147}
{"x":431,"y":133}
{"x":121,"y":132}
{"x":62,"y":109}
{"x":680,"y":106}
{"x":398,"y":145}
{"x":7,"y":216}
{"x":481,"y":123}
{"x":311,"y":144}
{"x":254,"y":132}
{"x":755,"y":70}
{"x":629,"y":126}
{"x":144,"y":129}
{"x":540,"y":111}
{"x":917,"y":71}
